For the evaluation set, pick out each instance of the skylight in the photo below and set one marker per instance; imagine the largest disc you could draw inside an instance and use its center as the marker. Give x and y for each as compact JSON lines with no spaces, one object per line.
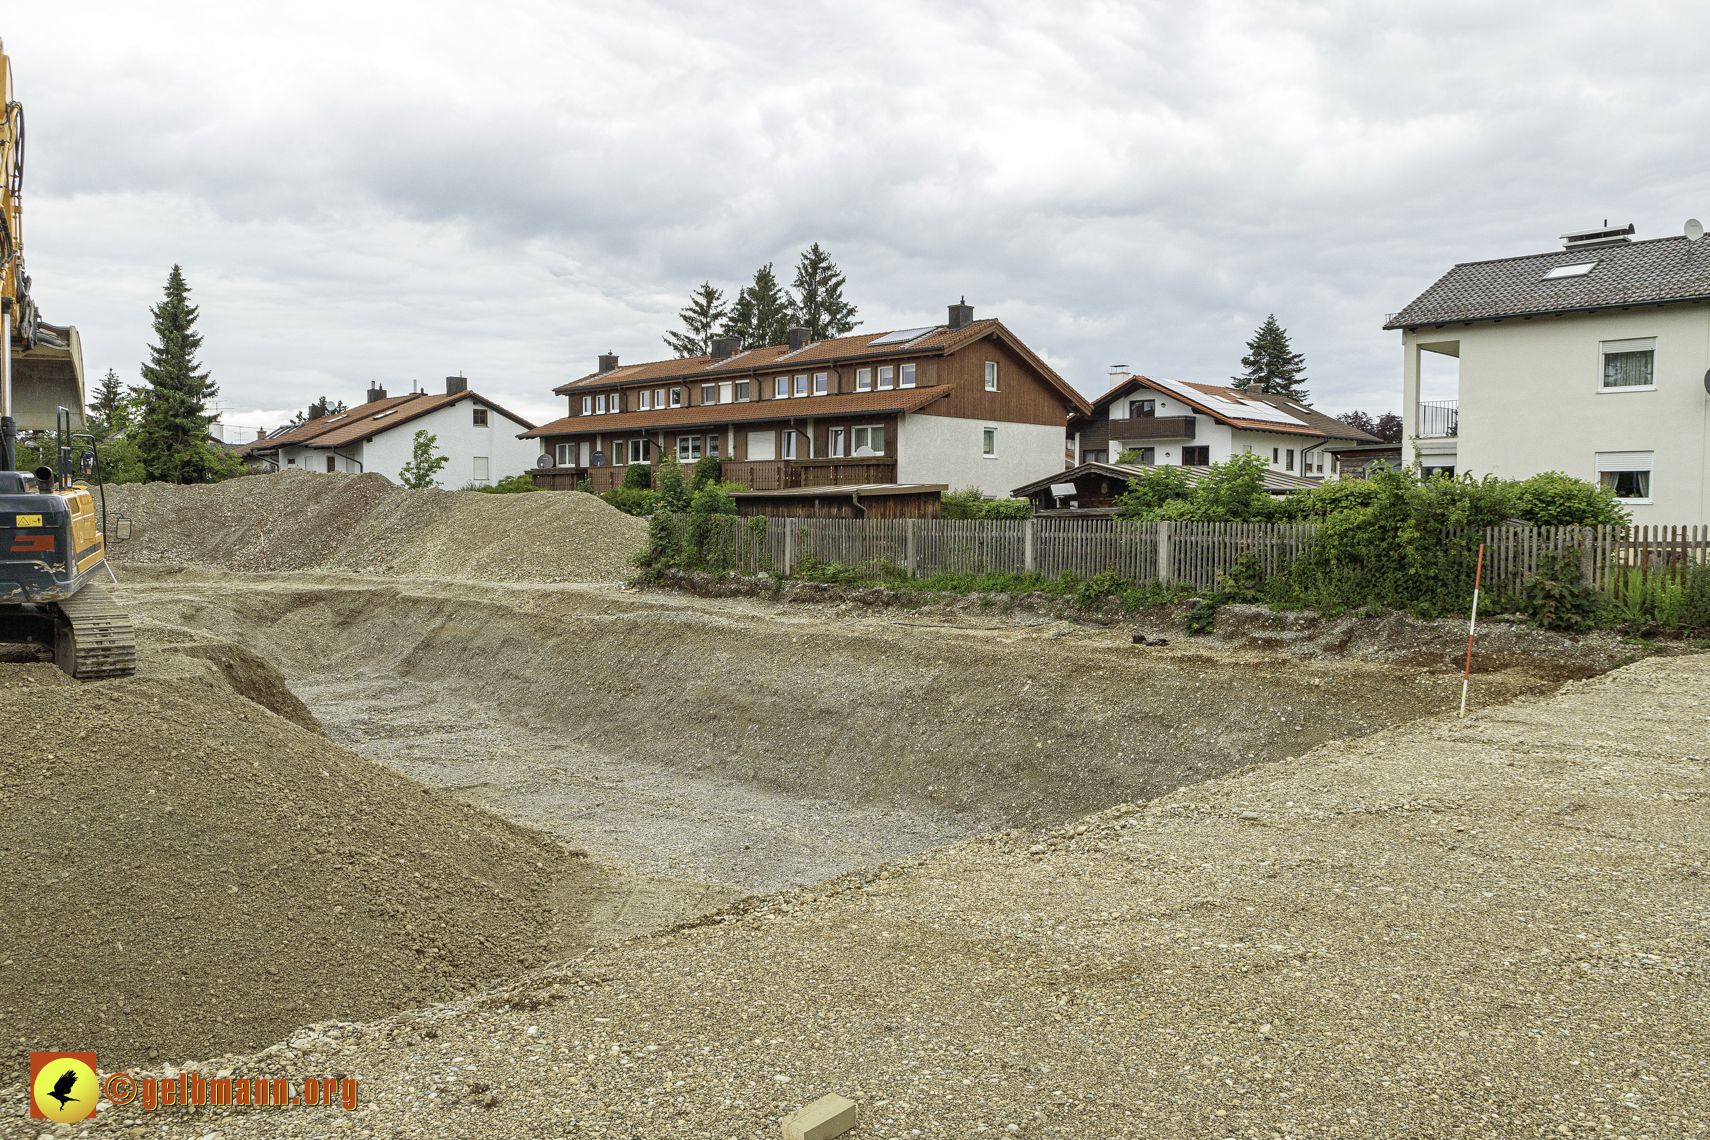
{"x":901,"y":337}
{"x":385,"y":413}
{"x":1561,"y":271}
{"x":335,"y":419}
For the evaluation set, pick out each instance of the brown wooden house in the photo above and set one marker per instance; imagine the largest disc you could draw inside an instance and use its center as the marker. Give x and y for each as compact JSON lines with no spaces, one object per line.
{"x":962,"y":404}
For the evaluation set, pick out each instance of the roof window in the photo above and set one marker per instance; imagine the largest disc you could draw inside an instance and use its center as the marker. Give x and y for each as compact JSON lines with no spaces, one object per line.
{"x":337,"y":418}
{"x":385,"y":413}
{"x":1562,"y":271}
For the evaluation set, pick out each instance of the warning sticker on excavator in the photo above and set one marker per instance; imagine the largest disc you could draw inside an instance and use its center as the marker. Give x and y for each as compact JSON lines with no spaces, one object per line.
{"x":28,"y":520}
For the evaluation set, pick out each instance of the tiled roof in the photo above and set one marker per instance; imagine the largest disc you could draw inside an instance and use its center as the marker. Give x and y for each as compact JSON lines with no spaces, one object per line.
{"x":845,"y":349}
{"x":403,"y":410}
{"x":1275,"y":482}
{"x":1623,"y":274}
{"x":1316,"y":422}
{"x":851,"y":404}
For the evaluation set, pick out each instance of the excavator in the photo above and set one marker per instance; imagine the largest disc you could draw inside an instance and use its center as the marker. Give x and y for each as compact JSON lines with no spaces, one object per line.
{"x":53,"y":540}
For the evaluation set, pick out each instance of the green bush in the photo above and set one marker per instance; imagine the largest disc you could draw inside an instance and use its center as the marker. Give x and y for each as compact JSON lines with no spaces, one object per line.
{"x":1555,"y":595}
{"x":1148,"y":494}
{"x":707,"y":541}
{"x":1554,"y":499}
{"x":638,"y":477}
{"x":707,"y":470}
{"x":631,"y":500}
{"x":971,"y":503}
{"x":515,"y":485}
{"x":670,"y":486}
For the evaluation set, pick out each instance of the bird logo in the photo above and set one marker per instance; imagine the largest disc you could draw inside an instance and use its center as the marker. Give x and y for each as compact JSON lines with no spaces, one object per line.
{"x":63,"y":1087}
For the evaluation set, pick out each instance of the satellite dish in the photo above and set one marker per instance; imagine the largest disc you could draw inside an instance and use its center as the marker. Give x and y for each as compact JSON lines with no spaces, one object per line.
{"x":598,"y":459}
{"x":544,"y":460}
{"x":1707,"y":383}
{"x":1694,"y":229}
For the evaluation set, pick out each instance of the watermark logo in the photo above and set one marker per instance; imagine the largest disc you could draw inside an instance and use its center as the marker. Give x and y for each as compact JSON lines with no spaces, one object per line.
{"x":63,"y":1087}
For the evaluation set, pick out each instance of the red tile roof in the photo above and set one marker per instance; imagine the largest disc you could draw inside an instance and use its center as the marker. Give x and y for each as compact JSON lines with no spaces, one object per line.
{"x":365,"y":421}
{"x":1317,"y":423}
{"x":850,"y":404}
{"x":778,"y":357}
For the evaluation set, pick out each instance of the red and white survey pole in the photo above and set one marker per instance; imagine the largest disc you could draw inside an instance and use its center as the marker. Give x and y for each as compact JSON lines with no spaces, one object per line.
{"x":1478,"y":580}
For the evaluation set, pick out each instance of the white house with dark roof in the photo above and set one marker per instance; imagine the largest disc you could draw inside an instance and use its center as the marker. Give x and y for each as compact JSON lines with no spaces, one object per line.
{"x":1590,"y":360}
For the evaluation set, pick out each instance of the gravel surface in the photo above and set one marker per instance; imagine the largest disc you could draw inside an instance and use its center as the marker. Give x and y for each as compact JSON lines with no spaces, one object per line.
{"x":1490,"y":928}
{"x":299,"y":520}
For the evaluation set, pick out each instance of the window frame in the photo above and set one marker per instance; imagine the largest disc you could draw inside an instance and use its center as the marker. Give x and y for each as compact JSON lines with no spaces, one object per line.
{"x":1198,"y":449}
{"x":835,"y":442}
{"x":1649,"y":472}
{"x":905,"y":376}
{"x":1143,"y":409}
{"x":620,"y":452}
{"x":822,"y":384}
{"x":988,"y":442}
{"x":741,"y":390}
{"x":868,"y":429}
{"x":587,"y":405}
{"x":863,"y":379}
{"x":643,"y":401}
{"x":478,"y":417}
{"x":991,"y":375}
{"x":789,"y":443}
{"x":637,"y":452}
{"x":1625,"y":347}
{"x":709,"y":390}
{"x":711,"y":451}
{"x":600,"y":404}
{"x":688,"y":448}
{"x":781,"y":388}
{"x":658,"y":399}
{"x":887,"y":378}
{"x":800,"y":387}
{"x":676,"y":397}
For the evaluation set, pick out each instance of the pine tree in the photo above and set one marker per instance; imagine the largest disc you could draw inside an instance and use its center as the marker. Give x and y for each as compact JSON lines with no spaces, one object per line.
{"x":762,"y":313}
{"x":818,"y":303}
{"x":172,"y":434}
{"x":1273,"y":367}
{"x":700,"y":319}
{"x":110,"y":411}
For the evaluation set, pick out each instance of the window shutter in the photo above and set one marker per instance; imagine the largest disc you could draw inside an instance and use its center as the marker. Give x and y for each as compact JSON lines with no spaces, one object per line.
{"x":1624,"y":460}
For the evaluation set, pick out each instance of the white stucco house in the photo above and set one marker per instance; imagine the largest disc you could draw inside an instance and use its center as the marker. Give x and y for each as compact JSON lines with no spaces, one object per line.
{"x":1589,"y":360}
{"x":475,"y":434}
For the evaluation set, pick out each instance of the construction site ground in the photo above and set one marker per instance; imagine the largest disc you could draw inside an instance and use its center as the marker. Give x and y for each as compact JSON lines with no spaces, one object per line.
{"x":531,"y":857}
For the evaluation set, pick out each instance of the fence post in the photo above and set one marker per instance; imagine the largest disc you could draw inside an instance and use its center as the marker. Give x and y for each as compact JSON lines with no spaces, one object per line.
{"x":789,"y":546}
{"x":913,"y":566}
{"x":1027,"y":547}
{"x":1166,"y":552}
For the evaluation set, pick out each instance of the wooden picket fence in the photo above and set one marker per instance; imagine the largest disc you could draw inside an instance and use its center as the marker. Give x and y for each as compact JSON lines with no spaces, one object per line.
{"x":1189,"y":553}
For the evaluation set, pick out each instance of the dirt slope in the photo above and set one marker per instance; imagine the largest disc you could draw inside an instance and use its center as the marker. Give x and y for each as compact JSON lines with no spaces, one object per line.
{"x":297,"y":520}
{"x":1494,"y":928}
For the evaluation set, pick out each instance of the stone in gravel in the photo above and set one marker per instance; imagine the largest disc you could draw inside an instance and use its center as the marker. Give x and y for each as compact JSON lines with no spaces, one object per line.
{"x":830,"y":1115}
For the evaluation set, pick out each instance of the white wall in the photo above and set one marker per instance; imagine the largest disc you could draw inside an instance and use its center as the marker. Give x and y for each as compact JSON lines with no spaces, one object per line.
{"x":947,"y":449}
{"x":1530,"y":401}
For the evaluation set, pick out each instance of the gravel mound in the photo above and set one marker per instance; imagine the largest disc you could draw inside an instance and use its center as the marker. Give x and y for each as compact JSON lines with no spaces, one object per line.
{"x":298,"y":520}
{"x":188,"y":873}
{"x":1493,"y":927}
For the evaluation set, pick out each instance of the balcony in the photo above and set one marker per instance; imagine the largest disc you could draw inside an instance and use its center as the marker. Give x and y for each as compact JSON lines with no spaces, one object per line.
{"x":1438,"y":419}
{"x":785,"y":474}
{"x":1153,"y":427}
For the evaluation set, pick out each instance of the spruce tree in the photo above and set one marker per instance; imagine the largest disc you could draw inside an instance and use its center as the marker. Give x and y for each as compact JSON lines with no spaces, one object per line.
{"x":762,"y":313}
{"x":818,"y":302}
{"x":110,"y":410}
{"x":1273,"y":367}
{"x":172,"y":434}
{"x":700,"y":319}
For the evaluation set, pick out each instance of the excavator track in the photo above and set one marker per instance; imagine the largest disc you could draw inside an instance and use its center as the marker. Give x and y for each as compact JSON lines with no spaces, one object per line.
{"x":96,"y":640}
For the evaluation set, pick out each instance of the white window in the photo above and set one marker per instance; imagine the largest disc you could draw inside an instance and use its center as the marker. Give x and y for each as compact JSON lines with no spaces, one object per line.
{"x":801,"y":385}
{"x":562,"y":454}
{"x":635,"y":450}
{"x":762,"y":445}
{"x":837,"y":443}
{"x":991,"y":375}
{"x":822,"y":383}
{"x":907,"y":379}
{"x":587,"y":405}
{"x":292,"y":462}
{"x":709,"y":393}
{"x":988,"y":443}
{"x":658,"y":397}
{"x":885,"y":378}
{"x":724,"y":392}
{"x":712,"y":445}
{"x":644,"y":402}
{"x":742,"y":396}
{"x":688,"y":446}
{"x":1627,"y":473}
{"x":863,"y":379}
{"x":789,"y":445}
{"x":1627,"y":365}
{"x":480,"y":469}
{"x":676,"y":397}
{"x":781,"y":388}
{"x":615,"y":404}
{"x":870,"y":440}
{"x":600,"y":405}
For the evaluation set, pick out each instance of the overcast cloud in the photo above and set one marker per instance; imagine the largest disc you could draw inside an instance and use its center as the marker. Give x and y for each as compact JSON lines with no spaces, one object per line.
{"x":386,"y":193}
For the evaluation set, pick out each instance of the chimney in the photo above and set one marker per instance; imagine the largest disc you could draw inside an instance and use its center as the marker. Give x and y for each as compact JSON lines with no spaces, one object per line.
{"x":1118,"y":373}
{"x":961,"y":315}
{"x":798,"y":338}
{"x":316,"y":411}
{"x":455,"y":384}
{"x":1602,"y":235}
{"x":725,"y":347}
{"x":376,"y":393}
{"x":608,"y":363}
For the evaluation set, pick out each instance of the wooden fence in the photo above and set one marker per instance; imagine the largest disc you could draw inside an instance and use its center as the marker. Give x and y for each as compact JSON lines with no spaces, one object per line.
{"x":1190,"y":553}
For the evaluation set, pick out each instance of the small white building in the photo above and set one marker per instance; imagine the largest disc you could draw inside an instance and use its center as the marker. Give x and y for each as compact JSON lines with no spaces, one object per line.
{"x":478,"y":436}
{"x":1589,"y":360}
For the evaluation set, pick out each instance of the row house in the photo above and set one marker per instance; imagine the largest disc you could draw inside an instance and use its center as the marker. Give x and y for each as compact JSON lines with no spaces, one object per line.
{"x":961,"y":404}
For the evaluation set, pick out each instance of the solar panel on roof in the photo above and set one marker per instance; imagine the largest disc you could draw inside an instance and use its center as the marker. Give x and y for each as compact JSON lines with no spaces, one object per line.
{"x":901,"y":337}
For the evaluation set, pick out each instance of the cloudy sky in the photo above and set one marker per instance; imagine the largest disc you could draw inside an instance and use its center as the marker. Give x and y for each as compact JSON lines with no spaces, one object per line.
{"x":387,"y":193}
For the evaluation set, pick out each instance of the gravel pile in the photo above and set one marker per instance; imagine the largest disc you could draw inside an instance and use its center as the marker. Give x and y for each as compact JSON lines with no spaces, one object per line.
{"x":1488,"y":928}
{"x":298,"y":520}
